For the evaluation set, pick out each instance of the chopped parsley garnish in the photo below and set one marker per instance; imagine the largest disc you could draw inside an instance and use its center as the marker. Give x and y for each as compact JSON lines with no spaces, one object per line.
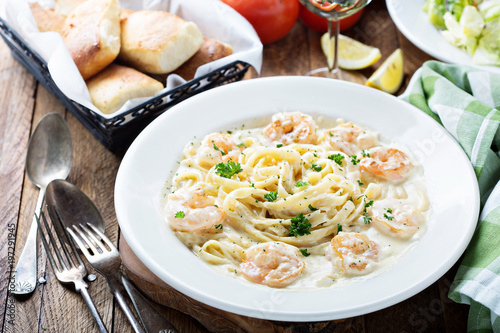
{"x":300,"y":184}
{"x":218,"y":226}
{"x":179,"y":215}
{"x":316,"y":167}
{"x":312,"y":208}
{"x":300,"y":226}
{"x":354,"y":159}
{"x":337,"y":158}
{"x":339,"y":227}
{"x":331,"y":134}
{"x":279,"y":145}
{"x":271,"y":196}
{"x":239,"y":145}
{"x":390,"y":218}
{"x":304,"y":252}
{"x":367,"y":218}
{"x":368,"y":204}
{"x":221,"y":151}
{"x":364,"y":153}
{"x":360,"y":183}
{"x":227,"y":170}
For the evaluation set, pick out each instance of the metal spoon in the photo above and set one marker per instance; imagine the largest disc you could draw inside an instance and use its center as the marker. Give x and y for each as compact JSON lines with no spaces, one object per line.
{"x":72,"y":205}
{"x":49,"y":157}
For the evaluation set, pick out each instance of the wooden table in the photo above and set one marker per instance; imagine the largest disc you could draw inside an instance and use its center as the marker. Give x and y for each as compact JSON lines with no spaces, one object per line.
{"x":54,"y":308}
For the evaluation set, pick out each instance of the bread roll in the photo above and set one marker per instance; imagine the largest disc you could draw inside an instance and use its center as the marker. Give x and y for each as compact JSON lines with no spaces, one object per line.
{"x":65,"y":7}
{"x":116,"y":84}
{"x":125,"y":13}
{"x":92,"y":35}
{"x":209,"y":51}
{"x":158,"y":42}
{"x":47,"y":19}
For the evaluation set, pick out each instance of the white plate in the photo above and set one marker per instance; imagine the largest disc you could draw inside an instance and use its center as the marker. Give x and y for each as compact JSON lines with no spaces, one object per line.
{"x":154,"y":154}
{"x":414,"y":24}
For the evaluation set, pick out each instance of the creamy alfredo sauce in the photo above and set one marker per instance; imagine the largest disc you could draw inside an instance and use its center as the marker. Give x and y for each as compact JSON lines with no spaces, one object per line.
{"x":228,"y":216}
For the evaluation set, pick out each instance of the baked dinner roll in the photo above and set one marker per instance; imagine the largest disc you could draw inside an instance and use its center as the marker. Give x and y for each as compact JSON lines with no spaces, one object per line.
{"x":92,"y":35}
{"x":47,"y":19}
{"x":125,"y":13}
{"x":209,"y":51}
{"x":158,"y":42}
{"x":116,"y":84}
{"x":65,"y":7}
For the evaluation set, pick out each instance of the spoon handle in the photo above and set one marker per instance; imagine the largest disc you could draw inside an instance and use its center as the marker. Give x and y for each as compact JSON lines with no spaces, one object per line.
{"x":25,"y":272}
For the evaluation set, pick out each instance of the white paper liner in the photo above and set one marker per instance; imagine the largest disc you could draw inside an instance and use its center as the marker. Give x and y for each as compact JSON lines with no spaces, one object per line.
{"x":215,"y":19}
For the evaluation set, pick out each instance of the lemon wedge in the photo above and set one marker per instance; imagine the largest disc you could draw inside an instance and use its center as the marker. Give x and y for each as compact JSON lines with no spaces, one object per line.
{"x":389,"y":76}
{"x":352,"y":54}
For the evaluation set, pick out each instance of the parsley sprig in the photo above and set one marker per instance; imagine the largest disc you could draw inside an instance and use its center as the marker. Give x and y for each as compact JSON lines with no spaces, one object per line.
{"x":300,"y":226}
{"x":179,"y":215}
{"x":389,"y":217}
{"x":271,"y":196}
{"x":354,"y":159}
{"x":219,"y":150}
{"x":227,"y":170}
{"x":316,"y":167}
{"x":312,"y":208}
{"x":337,"y":158}
{"x":304,"y":252}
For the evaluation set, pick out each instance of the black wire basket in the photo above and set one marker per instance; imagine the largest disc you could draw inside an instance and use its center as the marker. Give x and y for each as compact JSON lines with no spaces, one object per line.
{"x":118,"y":132}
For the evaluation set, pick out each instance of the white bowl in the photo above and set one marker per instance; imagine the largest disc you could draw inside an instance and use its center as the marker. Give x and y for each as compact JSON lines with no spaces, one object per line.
{"x":452,"y":190}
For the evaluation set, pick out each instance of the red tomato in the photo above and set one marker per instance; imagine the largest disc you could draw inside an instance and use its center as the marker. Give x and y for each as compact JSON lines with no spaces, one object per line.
{"x":272,"y":19}
{"x":320,"y":24}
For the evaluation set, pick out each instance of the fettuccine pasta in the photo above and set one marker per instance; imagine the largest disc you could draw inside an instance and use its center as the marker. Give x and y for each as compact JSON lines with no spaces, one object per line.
{"x":294,"y":205}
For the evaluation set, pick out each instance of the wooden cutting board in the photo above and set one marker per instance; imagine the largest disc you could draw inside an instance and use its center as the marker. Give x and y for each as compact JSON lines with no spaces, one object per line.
{"x":213,"y":319}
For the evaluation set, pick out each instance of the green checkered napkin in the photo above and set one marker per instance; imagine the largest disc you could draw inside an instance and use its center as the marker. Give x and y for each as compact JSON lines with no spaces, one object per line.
{"x":466,"y":101}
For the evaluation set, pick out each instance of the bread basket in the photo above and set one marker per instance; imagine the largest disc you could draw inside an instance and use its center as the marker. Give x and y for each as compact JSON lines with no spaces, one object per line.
{"x":118,"y":132}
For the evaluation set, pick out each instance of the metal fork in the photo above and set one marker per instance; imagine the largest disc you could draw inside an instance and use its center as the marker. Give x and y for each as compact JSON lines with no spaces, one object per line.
{"x":67,"y":269}
{"x":107,"y":262}
{"x":105,"y":258}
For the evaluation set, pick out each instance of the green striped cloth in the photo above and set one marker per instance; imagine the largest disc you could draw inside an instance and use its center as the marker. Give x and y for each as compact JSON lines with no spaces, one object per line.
{"x":466,"y":101}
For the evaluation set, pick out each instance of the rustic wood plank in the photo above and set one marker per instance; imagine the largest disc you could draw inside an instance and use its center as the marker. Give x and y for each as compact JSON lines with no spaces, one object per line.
{"x":416,"y":314}
{"x":17,"y":101}
{"x":454,"y":314}
{"x":290,"y":54}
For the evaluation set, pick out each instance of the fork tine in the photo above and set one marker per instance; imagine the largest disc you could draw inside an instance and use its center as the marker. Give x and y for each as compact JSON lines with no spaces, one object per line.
{"x":78,"y":241}
{"x":44,"y":241}
{"x":103,"y":236}
{"x":97,"y":241}
{"x":83,"y":235}
{"x":57,"y":219}
{"x":70,"y":240}
{"x":62,"y":264}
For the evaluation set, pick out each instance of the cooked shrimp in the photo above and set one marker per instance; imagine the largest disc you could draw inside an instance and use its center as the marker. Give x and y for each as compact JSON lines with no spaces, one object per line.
{"x":352,"y":253}
{"x":289,"y":128}
{"x":217,"y":148}
{"x":399,"y":221}
{"x":274,"y":264}
{"x":386,"y":162}
{"x":190,"y":209}
{"x":349,"y":138}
